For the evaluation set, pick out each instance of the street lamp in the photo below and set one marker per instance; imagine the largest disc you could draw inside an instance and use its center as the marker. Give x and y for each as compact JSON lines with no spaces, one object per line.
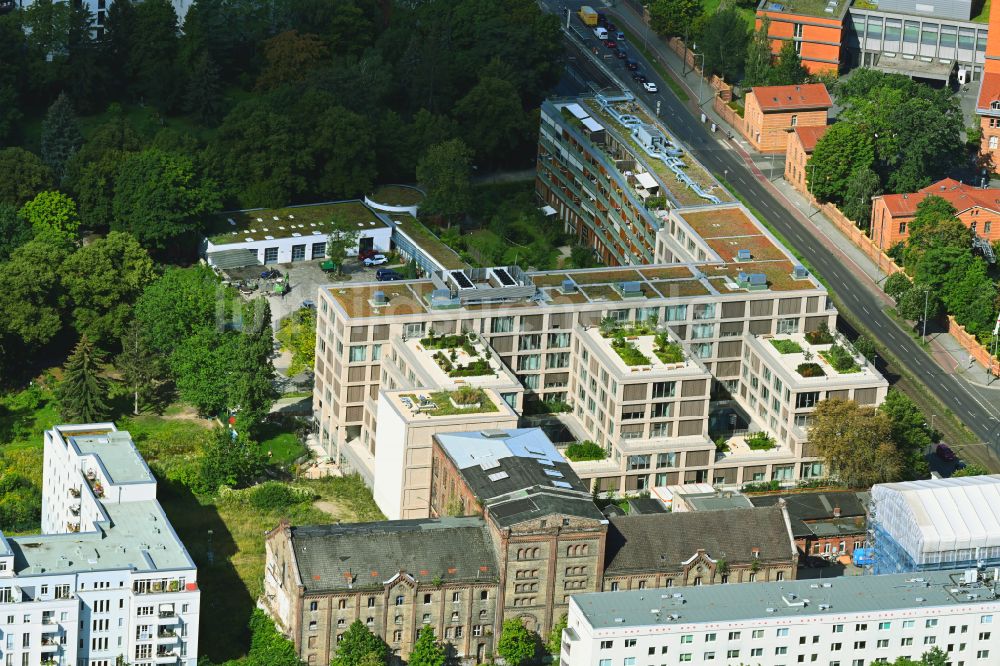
{"x":927,"y":292}
{"x":701,"y":74}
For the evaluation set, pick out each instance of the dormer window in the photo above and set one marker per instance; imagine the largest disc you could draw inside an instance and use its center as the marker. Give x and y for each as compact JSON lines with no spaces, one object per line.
{"x":755,"y":553}
{"x":995,"y":105}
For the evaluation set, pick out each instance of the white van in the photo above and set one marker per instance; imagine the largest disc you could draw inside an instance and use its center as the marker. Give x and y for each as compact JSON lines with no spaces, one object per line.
{"x":600,"y":32}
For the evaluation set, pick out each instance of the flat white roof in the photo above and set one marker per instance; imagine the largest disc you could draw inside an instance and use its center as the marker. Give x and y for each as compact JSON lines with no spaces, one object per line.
{"x":592,"y":124}
{"x":577,"y":110}
{"x":646,"y":180}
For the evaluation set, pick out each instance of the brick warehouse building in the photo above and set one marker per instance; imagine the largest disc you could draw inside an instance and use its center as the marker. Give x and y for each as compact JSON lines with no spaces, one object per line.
{"x":801,"y":144}
{"x":534,"y":539}
{"x":773,"y":111}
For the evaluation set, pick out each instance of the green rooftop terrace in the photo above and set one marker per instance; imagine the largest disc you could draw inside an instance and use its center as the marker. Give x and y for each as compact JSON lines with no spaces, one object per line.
{"x":815,"y":8}
{"x":237,"y":227}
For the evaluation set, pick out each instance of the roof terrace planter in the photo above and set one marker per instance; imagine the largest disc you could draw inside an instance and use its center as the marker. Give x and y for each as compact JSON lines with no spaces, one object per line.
{"x":810,"y":370}
{"x":666,"y":351}
{"x":585,"y":451}
{"x":628,"y":352}
{"x":786,"y":346}
{"x":760,"y":441}
{"x":840,"y":360}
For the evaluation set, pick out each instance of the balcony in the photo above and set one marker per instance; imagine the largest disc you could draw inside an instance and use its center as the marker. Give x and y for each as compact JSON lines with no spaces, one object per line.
{"x":167,"y":656}
{"x":50,"y":644}
{"x":73,"y":527}
{"x":166,"y":636}
{"x":166,"y":617}
{"x":74,"y":492}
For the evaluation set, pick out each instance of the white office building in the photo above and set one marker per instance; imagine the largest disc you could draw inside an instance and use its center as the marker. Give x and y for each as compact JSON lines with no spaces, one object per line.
{"x":108,"y":581}
{"x":848,"y":621}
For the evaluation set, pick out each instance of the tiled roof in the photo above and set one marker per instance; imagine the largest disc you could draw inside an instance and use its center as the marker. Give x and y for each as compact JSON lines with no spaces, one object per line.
{"x":789,"y":98}
{"x":662,"y":542}
{"x":804,"y":508}
{"x":365,"y":555}
{"x":810,"y":135}
{"x":961,"y":196}
{"x":989,"y":91}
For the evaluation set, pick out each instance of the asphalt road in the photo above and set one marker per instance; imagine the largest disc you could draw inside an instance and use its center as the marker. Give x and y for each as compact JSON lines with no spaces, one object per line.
{"x":977,"y":408}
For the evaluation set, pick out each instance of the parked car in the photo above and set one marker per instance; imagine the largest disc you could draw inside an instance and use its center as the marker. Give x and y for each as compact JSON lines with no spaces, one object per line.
{"x":375,"y":260}
{"x":270,"y":274}
{"x":387,"y":275}
{"x":650,"y":87}
{"x":364,"y":254}
{"x":945,"y":453}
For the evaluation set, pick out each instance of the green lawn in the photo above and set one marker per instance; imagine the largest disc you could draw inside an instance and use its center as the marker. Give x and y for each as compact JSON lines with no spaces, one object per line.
{"x":984,"y":12}
{"x":25,"y":415}
{"x":280,"y":441}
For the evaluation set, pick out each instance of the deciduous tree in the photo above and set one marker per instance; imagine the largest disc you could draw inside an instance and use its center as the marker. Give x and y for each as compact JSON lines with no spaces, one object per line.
{"x":202,"y":365}
{"x":517,"y":645}
{"x":290,"y":58}
{"x":971,"y":469}
{"x":909,"y":431}
{"x":52,"y":211}
{"x":32,"y":299}
{"x":788,"y":70}
{"x":159,"y":197}
{"x":493,"y":120}
{"x":297,"y":334}
{"x":138,"y":365}
{"x":862,"y":185}
{"x":856,"y":443}
{"x":554,"y":644}
{"x":757,"y":67}
{"x":14,"y":231}
{"x":229,"y":459}
{"x":103,"y":279}
{"x":839,"y":153}
{"x":724,"y":44}
{"x":357,"y":643}
{"x":673,"y":18}
{"x":25,"y":176}
{"x":896,"y":285}
{"x":83,"y":391}
{"x":177,"y":304}
{"x":427,"y":651}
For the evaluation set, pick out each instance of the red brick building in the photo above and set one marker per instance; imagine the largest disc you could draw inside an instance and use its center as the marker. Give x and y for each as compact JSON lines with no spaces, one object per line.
{"x":988,"y":103}
{"x":801,"y":143}
{"x":823,"y":523}
{"x":977,"y":208}
{"x":774,"y":111}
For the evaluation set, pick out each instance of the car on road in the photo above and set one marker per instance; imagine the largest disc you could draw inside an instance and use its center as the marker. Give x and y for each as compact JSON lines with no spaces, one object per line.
{"x":631,"y":65}
{"x":375,"y":260}
{"x":611,"y":44}
{"x":945,"y":453}
{"x":619,"y":35}
{"x":650,"y":87}
{"x":620,"y":53}
{"x":387,"y":275}
{"x":639,"y":76}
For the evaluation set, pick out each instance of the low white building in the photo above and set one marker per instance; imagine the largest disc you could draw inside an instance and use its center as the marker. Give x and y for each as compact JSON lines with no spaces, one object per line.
{"x":108,"y":581}
{"x":295,"y":233}
{"x":848,"y":621}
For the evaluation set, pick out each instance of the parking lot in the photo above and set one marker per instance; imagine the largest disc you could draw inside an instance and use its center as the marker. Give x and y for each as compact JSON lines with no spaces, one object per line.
{"x":304,"y":278}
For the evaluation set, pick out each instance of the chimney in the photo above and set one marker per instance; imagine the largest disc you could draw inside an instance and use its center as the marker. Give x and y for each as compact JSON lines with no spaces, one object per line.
{"x":836,"y":512}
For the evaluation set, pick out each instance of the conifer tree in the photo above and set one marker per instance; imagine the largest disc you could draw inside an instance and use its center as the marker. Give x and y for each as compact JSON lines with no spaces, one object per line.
{"x":83,"y":390}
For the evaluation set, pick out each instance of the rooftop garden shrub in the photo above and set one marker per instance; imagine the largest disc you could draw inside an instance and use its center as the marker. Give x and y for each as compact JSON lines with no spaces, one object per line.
{"x":841,"y":360}
{"x":810,"y":370}
{"x":821,"y":336}
{"x":667,"y":351}
{"x":475,"y":368}
{"x":787,"y":346}
{"x":629,"y":353}
{"x":760,"y":441}
{"x":586,"y":450}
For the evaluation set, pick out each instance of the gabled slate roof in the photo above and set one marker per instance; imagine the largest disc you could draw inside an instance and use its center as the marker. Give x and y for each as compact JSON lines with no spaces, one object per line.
{"x":366,"y":555}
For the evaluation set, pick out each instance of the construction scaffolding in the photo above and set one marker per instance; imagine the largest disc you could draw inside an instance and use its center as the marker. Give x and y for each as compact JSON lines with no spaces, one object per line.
{"x":936,"y":524}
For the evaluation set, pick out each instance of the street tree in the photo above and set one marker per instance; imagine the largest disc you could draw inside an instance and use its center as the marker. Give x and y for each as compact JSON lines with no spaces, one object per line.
{"x":139,"y":366}
{"x":83,"y":391}
{"x":915,"y":301}
{"x":910,"y":432}
{"x":724,"y":42}
{"x":61,"y":136}
{"x":357,"y":643}
{"x":53,"y":212}
{"x":25,"y":175}
{"x":896,"y":285}
{"x":788,"y":69}
{"x":517,"y":645}
{"x":757,"y":67}
{"x":838,"y":154}
{"x":159,"y":197}
{"x":673,"y":18}
{"x":427,"y":651}
{"x":444,"y":171}
{"x":103,"y":279}
{"x":862,"y":185}
{"x":856,"y":443}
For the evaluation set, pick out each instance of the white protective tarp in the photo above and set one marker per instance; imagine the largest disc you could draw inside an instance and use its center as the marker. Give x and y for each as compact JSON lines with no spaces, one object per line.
{"x":647,"y":180}
{"x":940,"y":515}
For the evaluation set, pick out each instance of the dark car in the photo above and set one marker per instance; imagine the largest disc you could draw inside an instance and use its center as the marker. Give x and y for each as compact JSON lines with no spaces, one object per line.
{"x":621,"y":54}
{"x":638,"y":76}
{"x":945,"y":453}
{"x":602,"y":19}
{"x":612,"y":27}
{"x":631,"y":65}
{"x":387,"y":275}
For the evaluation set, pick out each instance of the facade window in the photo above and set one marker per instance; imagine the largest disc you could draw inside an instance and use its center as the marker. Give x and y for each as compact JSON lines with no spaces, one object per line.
{"x":502,"y":325}
{"x":664,"y":389}
{"x":400,"y":600}
{"x":357,"y":353}
{"x":529,"y":342}
{"x":795,"y":120}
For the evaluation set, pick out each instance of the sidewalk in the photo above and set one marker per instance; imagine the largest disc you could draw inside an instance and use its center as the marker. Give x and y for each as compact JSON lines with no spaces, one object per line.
{"x":942,"y":347}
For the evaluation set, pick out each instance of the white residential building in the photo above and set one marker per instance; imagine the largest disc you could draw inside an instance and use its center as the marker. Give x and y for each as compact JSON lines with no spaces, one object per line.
{"x":108,"y":581}
{"x":849,"y":621}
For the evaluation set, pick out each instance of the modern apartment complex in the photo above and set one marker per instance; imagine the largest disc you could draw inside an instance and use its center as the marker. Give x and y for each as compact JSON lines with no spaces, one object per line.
{"x":108,"y":581}
{"x":850,"y":621}
{"x":515,"y":533}
{"x":655,"y":362}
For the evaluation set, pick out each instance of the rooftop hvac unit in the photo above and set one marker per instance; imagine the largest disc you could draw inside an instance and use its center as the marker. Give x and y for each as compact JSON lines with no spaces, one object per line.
{"x":631,"y":288}
{"x":568,"y":286}
{"x":743,"y":255}
{"x":379,"y":298}
{"x":799,"y":272}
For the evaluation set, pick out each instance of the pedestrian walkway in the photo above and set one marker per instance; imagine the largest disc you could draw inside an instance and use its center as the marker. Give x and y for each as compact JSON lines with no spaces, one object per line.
{"x":942,"y":347}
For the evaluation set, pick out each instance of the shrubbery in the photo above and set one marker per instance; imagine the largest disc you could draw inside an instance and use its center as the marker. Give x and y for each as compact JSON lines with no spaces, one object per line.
{"x":585,"y":450}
